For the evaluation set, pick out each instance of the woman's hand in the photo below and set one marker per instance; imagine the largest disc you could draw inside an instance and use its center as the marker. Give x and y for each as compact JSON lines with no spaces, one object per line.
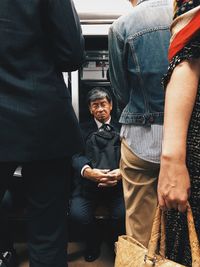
{"x":173,"y":185}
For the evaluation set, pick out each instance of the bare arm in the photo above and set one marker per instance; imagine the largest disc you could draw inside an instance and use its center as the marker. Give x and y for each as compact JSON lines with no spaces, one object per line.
{"x":174,"y":180}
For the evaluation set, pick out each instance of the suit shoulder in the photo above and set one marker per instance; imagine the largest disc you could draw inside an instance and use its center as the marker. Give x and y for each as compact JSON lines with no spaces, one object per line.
{"x":88,"y":127}
{"x":116,"y":125}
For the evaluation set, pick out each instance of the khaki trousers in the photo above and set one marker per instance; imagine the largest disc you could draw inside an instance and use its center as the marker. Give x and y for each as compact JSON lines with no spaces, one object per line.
{"x":140,"y":193}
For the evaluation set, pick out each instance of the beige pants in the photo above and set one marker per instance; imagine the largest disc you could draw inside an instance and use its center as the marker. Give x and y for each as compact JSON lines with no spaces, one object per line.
{"x":140,"y":193}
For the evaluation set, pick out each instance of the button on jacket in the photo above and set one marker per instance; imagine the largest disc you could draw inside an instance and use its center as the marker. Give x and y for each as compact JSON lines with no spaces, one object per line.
{"x":39,"y":40}
{"x":137,"y":78}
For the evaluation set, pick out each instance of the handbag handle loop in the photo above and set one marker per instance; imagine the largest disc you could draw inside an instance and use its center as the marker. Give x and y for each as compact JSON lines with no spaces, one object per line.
{"x":194,"y":242}
{"x":158,"y":232}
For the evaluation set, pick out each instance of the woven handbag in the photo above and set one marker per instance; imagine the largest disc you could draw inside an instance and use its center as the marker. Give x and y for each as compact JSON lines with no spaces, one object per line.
{"x":131,"y":253}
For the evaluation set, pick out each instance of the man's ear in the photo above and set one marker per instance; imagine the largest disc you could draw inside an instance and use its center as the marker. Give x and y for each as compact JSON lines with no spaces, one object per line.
{"x":111,"y":103}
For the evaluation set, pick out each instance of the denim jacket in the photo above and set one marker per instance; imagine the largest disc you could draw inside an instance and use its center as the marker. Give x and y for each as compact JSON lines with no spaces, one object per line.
{"x":138,"y":45}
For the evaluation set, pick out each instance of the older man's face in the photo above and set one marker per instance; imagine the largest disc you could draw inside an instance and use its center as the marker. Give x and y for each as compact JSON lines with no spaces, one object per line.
{"x":101,"y":109}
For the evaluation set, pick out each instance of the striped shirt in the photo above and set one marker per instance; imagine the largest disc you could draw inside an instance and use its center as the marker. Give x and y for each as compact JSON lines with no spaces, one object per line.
{"x":145,"y":142}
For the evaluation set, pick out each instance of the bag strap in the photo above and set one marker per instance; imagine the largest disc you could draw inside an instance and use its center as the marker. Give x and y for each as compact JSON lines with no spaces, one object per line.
{"x":163,"y":236}
{"x":194,"y":242}
{"x":159,"y":233}
{"x":155,"y":234}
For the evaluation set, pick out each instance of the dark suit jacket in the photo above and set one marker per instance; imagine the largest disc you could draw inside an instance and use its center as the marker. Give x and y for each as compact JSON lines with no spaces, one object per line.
{"x":39,"y":40}
{"x":82,"y":185}
{"x":79,"y":160}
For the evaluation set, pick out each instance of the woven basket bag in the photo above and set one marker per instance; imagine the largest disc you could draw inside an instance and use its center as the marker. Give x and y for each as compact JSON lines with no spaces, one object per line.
{"x":131,"y":253}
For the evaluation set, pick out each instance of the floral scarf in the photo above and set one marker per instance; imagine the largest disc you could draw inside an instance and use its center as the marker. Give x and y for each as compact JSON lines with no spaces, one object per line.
{"x":186,"y":24}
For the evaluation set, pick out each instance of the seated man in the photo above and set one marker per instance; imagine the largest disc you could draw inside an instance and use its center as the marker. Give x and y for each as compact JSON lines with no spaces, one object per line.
{"x":99,"y":175}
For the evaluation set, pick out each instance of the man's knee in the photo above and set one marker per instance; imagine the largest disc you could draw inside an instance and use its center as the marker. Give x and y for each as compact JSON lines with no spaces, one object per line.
{"x":79,"y":214}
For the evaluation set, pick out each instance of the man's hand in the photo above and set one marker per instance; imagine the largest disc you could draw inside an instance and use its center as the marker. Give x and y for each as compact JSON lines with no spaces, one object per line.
{"x":112,"y":178}
{"x":115,"y":174}
{"x":95,"y":175}
{"x":173,"y":185}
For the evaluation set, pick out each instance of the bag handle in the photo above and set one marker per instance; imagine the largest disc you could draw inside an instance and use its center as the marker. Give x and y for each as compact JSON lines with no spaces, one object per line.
{"x":194,"y":241}
{"x":155,"y":235}
{"x":158,"y":232}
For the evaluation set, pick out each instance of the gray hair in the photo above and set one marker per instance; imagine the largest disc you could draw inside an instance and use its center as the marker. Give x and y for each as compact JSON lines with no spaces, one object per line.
{"x":98,"y":93}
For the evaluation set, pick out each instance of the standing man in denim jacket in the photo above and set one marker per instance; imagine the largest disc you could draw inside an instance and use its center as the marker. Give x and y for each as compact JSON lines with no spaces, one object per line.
{"x":138,"y":44}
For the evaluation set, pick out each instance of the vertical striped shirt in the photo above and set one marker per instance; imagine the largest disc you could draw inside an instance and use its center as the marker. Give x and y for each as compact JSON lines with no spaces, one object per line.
{"x":145,"y":142}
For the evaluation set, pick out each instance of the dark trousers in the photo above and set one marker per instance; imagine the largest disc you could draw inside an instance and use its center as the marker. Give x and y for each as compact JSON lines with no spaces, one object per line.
{"x":47,"y":196}
{"x":6,"y":233}
{"x":82,"y":211}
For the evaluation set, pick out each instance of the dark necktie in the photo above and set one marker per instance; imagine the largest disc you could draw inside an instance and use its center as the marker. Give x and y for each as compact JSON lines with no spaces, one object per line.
{"x":105,"y":127}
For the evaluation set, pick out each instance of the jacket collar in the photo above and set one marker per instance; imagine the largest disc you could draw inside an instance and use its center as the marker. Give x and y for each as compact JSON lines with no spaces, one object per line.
{"x":99,"y":124}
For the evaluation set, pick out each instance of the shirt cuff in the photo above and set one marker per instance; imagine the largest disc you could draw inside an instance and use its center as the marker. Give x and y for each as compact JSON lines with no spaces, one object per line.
{"x":84,"y":167}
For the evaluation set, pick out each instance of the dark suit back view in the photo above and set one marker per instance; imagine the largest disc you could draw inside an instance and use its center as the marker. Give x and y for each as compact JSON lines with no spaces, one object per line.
{"x":39,"y":40}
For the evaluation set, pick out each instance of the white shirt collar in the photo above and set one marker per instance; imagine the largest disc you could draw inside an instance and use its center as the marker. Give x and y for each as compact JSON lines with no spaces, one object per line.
{"x":99,"y":124}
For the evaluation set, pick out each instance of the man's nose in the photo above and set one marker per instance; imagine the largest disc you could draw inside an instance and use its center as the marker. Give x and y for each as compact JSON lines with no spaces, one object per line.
{"x":100,"y":108}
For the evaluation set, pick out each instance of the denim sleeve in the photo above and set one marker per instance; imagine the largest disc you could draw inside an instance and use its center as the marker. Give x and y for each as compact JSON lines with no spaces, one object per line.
{"x":118,"y":67}
{"x":65,"y":34}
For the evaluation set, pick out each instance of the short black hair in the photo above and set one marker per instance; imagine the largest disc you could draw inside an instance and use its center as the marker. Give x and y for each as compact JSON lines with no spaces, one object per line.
{"x":98,"y":93}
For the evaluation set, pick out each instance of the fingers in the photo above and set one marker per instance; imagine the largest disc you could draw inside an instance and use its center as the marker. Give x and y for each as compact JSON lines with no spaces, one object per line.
{"x":109,"y":178}
{"x":161,"y":202}
{"x":115,"y":174}
{"x":104,"y":170}
{"x":106,"y":185}
{"x":102,"y":173}
{"x":172,"y":204}
{"x":182,"y":207}
{"x":107,"y":182}
{"x":112,"y":176}
{"x":166,"y":203}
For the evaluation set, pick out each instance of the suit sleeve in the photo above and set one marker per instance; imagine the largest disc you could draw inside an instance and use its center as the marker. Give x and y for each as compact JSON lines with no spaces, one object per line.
{"x":65,"y":34}
{"x":79,"y":161}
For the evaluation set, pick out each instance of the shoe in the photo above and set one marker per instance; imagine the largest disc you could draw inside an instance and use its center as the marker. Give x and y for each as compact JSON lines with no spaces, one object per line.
{"x":9,"y":259}
{"x":91,"y":254}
